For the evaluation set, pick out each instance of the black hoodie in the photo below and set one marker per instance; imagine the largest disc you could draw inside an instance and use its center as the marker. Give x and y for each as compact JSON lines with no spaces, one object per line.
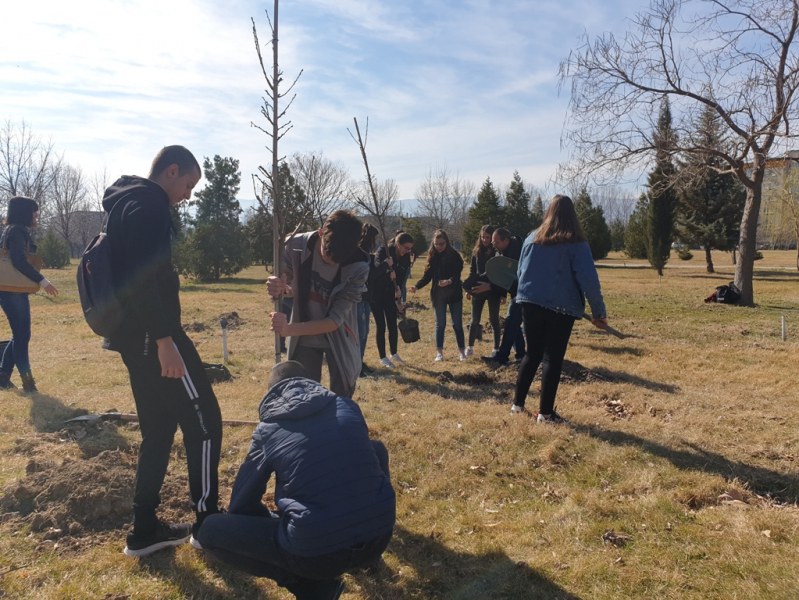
{"x":140,"y":232}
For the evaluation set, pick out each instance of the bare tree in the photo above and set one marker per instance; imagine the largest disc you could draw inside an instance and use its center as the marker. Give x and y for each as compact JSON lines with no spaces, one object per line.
{"x":738,"y":57}
{"x":27,"y":165}
{"x":445,"y":200}
{"x":96,"y":189}
{"x":68,"y":195}
{"x":373,"y":197}
{"x":266,"y":183}
{"x":324,"y":182}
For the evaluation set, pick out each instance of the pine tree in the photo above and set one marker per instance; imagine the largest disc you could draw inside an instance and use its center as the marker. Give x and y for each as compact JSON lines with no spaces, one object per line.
{"x":635,"y":234}
{"x":217,"y":246}
{"x":517,"y":207}
{"x":486,"y":211}
{"x":710,"y":205}
{"x":414,"y":228}
{"x":661,"y":193}
{"x":592,"y":221}
{"x":537,"y":212}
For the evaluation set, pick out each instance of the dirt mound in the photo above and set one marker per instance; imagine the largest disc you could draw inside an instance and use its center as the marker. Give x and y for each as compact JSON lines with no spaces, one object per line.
{"x":232,"y":318}
{"x":76,"y":498}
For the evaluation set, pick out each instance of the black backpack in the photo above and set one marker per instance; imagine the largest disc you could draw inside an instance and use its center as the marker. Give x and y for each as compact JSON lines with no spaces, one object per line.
{"x":101,"y":308}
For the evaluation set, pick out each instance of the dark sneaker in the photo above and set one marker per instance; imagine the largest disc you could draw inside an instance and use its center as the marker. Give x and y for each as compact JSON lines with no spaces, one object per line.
{"x":195,"y":528}
{"x":553,"y":419}
{"x":494,"y":363}
{"x":309,"y":589}
{"x":28,"y":384}
{"x":164,"y":536}
{"x":5,"y":383}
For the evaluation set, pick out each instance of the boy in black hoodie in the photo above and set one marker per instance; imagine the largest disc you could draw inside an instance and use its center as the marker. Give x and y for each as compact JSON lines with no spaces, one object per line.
{"x":166,"y":374}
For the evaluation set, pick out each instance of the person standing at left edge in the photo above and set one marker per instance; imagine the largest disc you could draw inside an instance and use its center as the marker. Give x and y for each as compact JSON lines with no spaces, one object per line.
{"x":169,"y":384}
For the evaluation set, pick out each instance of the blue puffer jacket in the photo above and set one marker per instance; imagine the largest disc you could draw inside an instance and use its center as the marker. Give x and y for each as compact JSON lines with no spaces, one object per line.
{"x":559,"y":277}
{"x":330,"y":490}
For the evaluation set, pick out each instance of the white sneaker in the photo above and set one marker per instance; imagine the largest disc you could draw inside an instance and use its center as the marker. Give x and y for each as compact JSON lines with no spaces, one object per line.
{"x":439,"y":357}
{"x":461,"y":355}
{"x":386,"y":363}
{"x":515,"y":409}
{"x":397,"y":359}
{"x":469,"y":350}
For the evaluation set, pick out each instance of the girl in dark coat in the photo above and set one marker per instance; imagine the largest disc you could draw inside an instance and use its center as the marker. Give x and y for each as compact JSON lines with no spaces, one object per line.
{"x":23,"y":214}
{"x":368,"y":244}
{"x":482,"y":292}
{"x":390,"y":272}
{"x":444,"y":267}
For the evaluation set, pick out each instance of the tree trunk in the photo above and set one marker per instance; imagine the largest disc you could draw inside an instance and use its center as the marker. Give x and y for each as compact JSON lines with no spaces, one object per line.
{"x":709,"y":260}
{"x":744,"y":268}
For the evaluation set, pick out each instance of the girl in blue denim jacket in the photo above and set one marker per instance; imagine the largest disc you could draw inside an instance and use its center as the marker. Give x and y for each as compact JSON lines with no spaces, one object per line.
{"x":556,"y":275}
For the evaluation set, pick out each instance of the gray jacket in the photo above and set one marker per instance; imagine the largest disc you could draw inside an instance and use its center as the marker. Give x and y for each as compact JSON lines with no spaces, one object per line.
{"x":347,"y":289}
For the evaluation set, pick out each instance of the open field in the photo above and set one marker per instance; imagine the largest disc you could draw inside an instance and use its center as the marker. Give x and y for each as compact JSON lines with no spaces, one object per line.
{"x":676,"y":479}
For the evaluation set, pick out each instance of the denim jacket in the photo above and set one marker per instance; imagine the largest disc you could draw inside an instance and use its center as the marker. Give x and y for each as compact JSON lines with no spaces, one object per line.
{"x":559,"y":277}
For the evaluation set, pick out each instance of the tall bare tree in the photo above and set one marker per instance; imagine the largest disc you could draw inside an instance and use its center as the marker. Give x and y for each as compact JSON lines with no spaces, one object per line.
{"x":27,"y":165}
{"x":445,"y":199}
{"x":266,"y":183}
{"x":375,"y":198}
{"x":324,"y":182}
{"x":738,"y":57}
{"x":67,"y":197}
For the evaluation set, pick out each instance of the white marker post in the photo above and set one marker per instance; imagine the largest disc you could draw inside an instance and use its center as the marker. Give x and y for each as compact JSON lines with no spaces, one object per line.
{"x":223,"y":323}
{"x":783,"y":328}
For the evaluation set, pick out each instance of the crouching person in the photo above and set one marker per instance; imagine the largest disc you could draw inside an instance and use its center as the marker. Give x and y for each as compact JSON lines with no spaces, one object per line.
{"x":336,"y":506}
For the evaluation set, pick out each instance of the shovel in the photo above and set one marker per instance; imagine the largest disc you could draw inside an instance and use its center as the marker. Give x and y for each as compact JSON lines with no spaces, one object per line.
{"x":117,"y":417}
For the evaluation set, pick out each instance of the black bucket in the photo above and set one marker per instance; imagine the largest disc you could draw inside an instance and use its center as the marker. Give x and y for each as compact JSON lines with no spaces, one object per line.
{"x":409,"y":330}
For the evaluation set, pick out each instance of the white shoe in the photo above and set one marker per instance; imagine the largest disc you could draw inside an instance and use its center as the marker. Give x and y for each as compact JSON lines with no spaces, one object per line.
{"x":461,"y":355}
{"x":386,"y":363}
{"x":469,"y":350}
{"x":397,"y":359}
{"x":439,"y":357}
{"x":515,"y":409}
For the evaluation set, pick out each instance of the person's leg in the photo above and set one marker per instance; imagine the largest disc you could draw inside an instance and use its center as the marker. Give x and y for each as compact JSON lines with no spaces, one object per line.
{"x":477,"y":315}
{"x":380,"y":328}
{"x":493,"y":318}
{"x":157,"y":424}
{"x":534,"y":317}
{"x":391,"y":325}
{"x":311,"y":359}
{"x":18,"y":311}
{"x":7,"y":362}
{"x":338,"y":383}
{"x":559,"y":331}
{"x":513,"y":322}
{"x":200,"y":421}
{"x":456,"y":311}
{"x":441,"y":323}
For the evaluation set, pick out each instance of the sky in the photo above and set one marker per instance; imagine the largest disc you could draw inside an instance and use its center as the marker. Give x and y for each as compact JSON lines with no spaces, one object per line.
{"x":466,"y":85}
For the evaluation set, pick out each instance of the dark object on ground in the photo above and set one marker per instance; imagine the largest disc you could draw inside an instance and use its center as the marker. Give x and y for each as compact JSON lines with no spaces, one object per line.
{"x":217,"y":372}
{"x":725,"y":294}
{"x":118,"y":417}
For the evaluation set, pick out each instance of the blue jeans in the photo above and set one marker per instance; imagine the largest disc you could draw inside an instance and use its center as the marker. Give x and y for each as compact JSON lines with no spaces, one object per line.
{"x":512,"y":336}
{"x":364,"y":311}
{"x":18,"y":312}
{"x":456,"y":311}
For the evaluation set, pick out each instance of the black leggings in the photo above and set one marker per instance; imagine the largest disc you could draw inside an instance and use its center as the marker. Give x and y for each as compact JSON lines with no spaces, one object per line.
{"x":547,"y":334}
{"x":385,"y":313}
{"x":493,"y":316}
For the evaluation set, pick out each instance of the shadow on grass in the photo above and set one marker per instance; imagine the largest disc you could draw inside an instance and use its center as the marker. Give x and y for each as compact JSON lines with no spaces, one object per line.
{"x":616,"y":350}
{"x":781,"y":487}
{"x":437,"y":573}
{"x":48,"y":415}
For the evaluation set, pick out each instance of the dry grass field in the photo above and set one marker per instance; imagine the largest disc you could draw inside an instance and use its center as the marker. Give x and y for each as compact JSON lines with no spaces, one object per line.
{"x":676,"y":478}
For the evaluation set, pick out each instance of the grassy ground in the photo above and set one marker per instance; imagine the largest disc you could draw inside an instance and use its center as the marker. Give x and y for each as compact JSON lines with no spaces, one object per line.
{"x":677,"y":477}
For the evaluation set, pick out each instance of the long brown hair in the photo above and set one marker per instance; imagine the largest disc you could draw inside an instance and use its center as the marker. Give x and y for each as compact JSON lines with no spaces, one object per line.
{"x":438,"y":233}
{"x":479,"y":249}
{"x":561,"y":225}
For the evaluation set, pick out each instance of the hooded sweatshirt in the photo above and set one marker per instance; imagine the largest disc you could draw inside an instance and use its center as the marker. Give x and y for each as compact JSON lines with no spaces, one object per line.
{"x":330,"y":490}
{"x":140,"y":231}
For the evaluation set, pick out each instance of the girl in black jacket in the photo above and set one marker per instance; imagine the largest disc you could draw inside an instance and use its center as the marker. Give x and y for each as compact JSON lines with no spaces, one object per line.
{"x":386,"y":279}
{"x":444,"y":267}
{"x":482,"y":291}
{"x":23,"y":214}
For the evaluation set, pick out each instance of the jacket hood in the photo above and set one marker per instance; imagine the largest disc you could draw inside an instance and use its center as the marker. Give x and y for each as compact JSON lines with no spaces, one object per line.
{"x":295,"y":399}
{"x":127,"y":184}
